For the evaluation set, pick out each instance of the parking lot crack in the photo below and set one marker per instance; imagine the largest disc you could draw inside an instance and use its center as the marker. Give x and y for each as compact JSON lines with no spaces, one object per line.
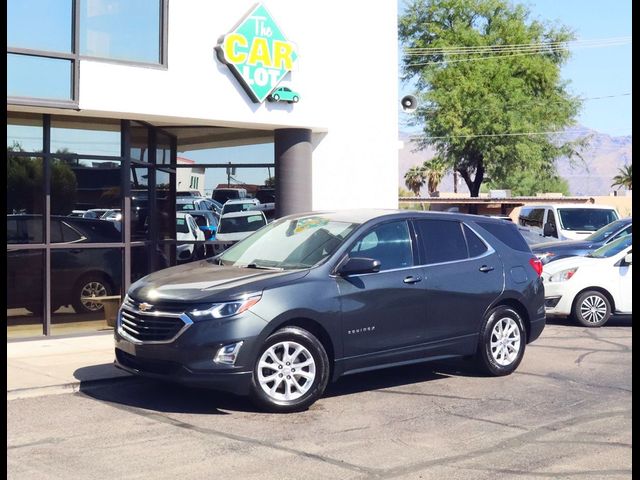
{"x":166,"y":419}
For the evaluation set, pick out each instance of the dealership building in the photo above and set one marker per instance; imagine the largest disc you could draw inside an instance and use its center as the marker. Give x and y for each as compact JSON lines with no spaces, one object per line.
{"x":108,"y":100}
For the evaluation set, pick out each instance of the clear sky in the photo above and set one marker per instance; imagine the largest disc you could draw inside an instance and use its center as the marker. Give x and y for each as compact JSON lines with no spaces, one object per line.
{"x":592,"y":72}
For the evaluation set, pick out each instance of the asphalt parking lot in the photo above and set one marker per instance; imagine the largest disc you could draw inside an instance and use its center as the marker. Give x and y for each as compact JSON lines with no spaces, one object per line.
{"x":565,"y":413}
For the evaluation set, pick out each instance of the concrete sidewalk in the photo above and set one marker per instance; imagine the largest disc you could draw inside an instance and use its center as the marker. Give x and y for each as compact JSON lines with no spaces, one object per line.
{"x":58,"y":365}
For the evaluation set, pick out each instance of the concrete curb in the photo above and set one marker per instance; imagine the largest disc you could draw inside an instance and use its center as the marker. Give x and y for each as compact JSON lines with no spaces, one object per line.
{"x":72,"y":387}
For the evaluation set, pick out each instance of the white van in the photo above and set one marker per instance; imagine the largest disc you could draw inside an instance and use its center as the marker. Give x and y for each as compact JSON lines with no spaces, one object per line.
{"x":566,"y":221}
{"x":221,"y":195}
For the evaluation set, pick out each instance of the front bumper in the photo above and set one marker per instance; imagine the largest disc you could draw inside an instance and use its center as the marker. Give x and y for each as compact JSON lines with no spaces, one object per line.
{"x":188,"y":359}
{"x":558,"y":298}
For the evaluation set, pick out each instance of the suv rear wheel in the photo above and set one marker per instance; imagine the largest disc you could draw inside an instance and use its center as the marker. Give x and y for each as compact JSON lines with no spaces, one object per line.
{"x":291,"y":371}
{"x":502,"y":342}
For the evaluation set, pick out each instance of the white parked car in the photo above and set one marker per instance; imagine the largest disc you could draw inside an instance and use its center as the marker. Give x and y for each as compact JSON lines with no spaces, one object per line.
{"x":592,"y":287}
{"x":236,"y":226}
{"x":239,"y":205}
{"x":187,"y":230}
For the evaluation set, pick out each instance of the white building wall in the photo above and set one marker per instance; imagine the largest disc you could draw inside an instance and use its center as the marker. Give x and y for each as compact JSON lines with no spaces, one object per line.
{"x":346,"y":75}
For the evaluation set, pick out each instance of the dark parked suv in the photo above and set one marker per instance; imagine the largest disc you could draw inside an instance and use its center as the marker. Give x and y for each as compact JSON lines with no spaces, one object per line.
{"x":311,"y":297}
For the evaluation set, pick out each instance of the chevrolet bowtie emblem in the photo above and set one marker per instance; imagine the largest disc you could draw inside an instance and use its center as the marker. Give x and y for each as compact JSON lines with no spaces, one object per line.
{"x":143,"y":307}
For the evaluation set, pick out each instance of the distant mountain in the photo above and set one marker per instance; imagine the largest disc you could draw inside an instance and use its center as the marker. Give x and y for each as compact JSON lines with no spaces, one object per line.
{"x":602,"y":158}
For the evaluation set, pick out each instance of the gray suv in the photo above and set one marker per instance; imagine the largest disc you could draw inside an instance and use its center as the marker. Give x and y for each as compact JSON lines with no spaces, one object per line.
{"x":312,"y":297}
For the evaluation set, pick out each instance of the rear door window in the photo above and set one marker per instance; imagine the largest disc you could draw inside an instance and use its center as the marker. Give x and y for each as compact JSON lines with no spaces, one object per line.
{"x":476,"y":246}
{"x":441,"y":240}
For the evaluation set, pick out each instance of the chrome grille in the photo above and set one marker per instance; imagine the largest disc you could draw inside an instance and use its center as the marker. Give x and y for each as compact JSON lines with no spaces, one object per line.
{"x":152,"y":327}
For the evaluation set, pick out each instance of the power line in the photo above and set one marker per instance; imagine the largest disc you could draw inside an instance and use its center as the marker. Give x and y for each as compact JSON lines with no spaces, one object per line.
{"x":538,"y":50}
{"x":511,"y":134}
{"x":455,"y":50}
{"x":535,"y":102}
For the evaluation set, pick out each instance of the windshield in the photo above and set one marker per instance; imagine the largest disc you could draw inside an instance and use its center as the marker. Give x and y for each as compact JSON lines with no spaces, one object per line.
{"x":241,"y":224}
{"x":586,"y":219}
{"x":184,"y":206}
{"x":611,"y":249}
{"x":299,"y":243}
{"x":236,"y":207}
{"x":181,"y":225}
{"x":605,"y":232}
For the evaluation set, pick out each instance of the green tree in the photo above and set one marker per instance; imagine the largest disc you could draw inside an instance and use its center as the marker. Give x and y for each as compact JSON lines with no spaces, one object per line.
{"x":270,"y":182}
{"x":434,"y":170}
{"x":623,"y":179}
{"x":480,"y":103}
{"x":414,"y":179}
{"x":530,"y":182}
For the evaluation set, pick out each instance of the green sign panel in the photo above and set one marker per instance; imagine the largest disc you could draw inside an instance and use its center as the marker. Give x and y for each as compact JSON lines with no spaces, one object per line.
{"x":257,"y":53}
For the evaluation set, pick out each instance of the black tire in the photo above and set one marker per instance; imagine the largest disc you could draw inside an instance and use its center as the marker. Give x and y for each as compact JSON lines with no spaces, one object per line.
{"x":318,"y":384}
{"x":592,"y":309}
{"x":295,"y":99}
{"x":80,"y":286}
{"x":276,"y":98}
{"x":486,"y":360}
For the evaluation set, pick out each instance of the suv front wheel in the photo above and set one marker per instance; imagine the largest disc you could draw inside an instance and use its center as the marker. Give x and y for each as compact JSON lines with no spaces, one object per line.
{"x":502,"y":342}
{"x":291,"y":371}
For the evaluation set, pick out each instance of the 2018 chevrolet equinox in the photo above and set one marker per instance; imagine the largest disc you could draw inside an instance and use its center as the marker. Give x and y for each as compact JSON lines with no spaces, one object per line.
{"x":311,"y":297}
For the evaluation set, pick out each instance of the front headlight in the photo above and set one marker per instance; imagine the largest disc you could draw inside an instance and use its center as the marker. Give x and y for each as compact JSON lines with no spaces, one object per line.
{"x":564,"y":275}
{"x":226,"y":309}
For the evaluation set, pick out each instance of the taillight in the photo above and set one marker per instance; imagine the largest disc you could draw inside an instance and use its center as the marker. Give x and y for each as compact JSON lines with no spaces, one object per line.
{"x":536,"y":264}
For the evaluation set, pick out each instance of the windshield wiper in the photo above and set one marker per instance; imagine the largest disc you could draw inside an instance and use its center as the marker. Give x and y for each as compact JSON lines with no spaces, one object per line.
{"x":261,"y":267}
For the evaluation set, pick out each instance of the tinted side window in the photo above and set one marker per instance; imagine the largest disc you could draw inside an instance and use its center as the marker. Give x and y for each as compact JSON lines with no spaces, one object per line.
{"x":390,"y":243}
{"x":476,"y":246}
{"x":441,"y":240}
{"x":620,"y":234}
{"x":507,"y":233}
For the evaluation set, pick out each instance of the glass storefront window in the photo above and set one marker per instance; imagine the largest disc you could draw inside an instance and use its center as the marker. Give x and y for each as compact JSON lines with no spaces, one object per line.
{"x":139,"y":142}
{"x":85,"y":136}
{"x":40,"y":24}
{"x":25,"y":74}
{"x":165,"y":205}
{"x":139,"y":178}
{"x":78,"y":276}
{"x":121,"y":29}
{"x":24,"y":132}
{"x":163,"y":150}
{"x":25,"y":200}
{"x":25,"y":293}
{"x":86,"y":201}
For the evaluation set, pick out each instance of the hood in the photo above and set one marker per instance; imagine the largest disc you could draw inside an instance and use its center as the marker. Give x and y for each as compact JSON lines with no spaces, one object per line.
{"x":566,"y":263}
{"x":233,"y":237}
{"x":205,"y":281}
{"x":559,"y":245}
{"x":576,"y":234}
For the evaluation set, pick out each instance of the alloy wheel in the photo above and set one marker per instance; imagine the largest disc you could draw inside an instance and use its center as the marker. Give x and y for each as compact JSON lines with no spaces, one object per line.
{"x":593,"y":309}
{"x":505,"y":341}
{"x":286,"y":371}
{"x":92,"y":289}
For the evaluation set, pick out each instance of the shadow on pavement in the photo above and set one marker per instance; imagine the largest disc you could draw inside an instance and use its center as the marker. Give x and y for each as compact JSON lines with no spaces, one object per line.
{"x":167,"y":397}
{"x":614,"y":321}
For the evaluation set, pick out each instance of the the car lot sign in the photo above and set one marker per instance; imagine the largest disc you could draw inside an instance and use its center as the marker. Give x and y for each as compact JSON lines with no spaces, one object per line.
{"x":257,"y":53}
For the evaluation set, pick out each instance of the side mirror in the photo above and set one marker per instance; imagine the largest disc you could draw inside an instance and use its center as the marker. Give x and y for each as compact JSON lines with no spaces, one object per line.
{"x":549,"y":230}
{"x":627,"y":259}
{"x":356,"y":265}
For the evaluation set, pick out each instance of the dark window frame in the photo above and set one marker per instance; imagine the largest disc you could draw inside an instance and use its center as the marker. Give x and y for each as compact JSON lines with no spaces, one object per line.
{"x":75,"y":58}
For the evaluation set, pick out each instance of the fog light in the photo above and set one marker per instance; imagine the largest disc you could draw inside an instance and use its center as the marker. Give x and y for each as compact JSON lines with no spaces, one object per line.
{"x":228,"y":354}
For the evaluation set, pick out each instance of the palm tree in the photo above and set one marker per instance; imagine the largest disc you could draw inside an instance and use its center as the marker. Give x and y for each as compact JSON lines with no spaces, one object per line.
{"x":434,"y":169}
{"x":623,"y":179}
{"x":414,"y":179}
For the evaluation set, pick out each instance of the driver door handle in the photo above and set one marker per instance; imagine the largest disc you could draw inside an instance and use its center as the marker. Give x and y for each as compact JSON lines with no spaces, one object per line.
{"x":485,"y":268}
{"x":412,"y":279}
